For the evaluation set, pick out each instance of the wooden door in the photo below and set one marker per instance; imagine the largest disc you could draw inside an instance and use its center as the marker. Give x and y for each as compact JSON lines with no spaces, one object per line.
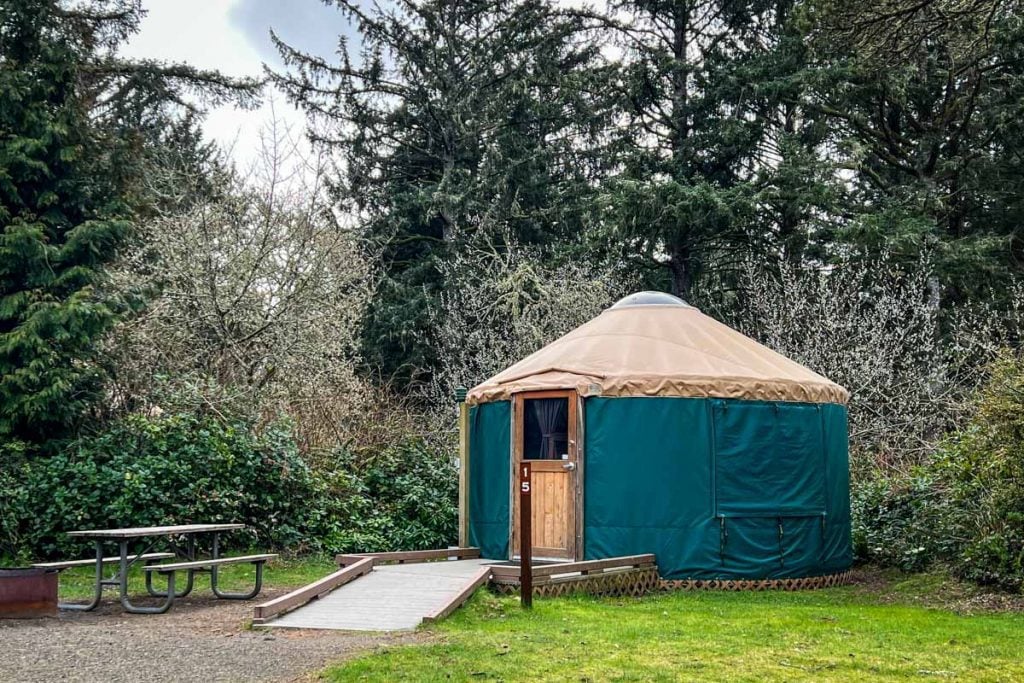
{"x":545,"y":434}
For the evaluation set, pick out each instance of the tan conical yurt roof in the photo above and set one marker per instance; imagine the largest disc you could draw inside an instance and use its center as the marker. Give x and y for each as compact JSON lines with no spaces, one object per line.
{"x":654,"y":344}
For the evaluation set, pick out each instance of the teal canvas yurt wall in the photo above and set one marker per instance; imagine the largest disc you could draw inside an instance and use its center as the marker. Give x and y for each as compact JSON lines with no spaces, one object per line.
{"x":656,"y":429}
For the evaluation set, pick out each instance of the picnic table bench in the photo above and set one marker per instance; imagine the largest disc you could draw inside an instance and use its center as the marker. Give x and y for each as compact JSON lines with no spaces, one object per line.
{"x":190,"y":564}
{"x":103,"y":560}
{"x":211,"y":567}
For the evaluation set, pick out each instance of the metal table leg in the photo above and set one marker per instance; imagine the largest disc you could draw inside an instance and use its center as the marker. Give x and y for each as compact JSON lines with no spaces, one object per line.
{"x":123,"y":583}
{"x":224,"y":595}
{"x":100,"y":582}
{"x":239,"y":596}
{"x":190,"y":554}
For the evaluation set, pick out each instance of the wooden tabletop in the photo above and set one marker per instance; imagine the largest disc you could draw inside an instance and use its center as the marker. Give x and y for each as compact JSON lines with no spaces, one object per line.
{"x":154,"y":530}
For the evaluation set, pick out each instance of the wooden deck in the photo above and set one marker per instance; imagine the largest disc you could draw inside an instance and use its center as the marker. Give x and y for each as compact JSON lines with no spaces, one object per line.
{"x":548,"y":572}
{"x":398,"y":591}
{"x":628,"y":575}
{"x":395,"y":597}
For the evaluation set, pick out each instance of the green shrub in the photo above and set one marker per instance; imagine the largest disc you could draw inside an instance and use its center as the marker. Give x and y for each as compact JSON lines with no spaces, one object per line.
{"x":174,"y":469}
{"x":895,"y":520}
{"x":965,"y":508}
{"x":404,"y":497}
{"x":982,"y":472}
{"x":12,"y":496}
{"x":182,"y":468}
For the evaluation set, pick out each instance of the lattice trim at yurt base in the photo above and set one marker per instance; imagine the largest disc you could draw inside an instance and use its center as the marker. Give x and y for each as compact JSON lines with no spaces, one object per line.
{"x":631,"y":583}
{"x":636,"y":583}
{"x":793,"y":584}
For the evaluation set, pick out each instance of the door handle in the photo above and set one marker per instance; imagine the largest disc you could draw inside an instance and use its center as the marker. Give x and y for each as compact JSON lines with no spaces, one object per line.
{"x":570,"y":466}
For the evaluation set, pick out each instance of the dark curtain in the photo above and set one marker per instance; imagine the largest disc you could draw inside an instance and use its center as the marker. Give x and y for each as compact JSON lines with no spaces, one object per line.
{"x":552,"y":417}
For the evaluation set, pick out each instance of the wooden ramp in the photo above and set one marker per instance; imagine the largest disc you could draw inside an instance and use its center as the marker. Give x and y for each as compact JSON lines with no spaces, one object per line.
{"x":393,"y":597}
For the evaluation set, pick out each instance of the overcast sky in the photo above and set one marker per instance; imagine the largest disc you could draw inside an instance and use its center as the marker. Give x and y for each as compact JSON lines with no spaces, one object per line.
{"x":232,"y":36}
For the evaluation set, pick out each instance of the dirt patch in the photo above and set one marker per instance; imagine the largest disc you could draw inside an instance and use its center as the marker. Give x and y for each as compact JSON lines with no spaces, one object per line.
{"x":935,"y":589}
{"x":199,"y":639}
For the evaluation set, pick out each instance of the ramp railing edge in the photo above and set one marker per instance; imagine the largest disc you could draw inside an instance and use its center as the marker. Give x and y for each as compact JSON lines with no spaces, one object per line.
{"x":482,"y":576}
{"x":299,"y":597}
{"x":409,"y":556}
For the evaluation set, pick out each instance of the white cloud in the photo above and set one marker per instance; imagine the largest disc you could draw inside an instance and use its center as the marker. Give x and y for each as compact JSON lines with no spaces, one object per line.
{"x":207,"y":35}
{"x":309,"y":25}
{"x":233,"y":37}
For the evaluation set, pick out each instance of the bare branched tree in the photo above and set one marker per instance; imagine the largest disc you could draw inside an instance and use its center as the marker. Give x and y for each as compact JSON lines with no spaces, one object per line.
{"x":256,"y":297}
{"x":875,"y":327}
{"x":502,"y":304}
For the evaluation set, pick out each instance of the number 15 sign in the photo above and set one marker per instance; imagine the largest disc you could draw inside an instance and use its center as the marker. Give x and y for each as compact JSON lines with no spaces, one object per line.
{"x":525,"y":538}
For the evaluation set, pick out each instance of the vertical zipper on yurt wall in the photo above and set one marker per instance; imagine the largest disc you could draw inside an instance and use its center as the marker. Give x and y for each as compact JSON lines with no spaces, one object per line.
{"x":713,"y":406}
{"x":723,"y":537}
{"x":782,"y":549}
{"x":827,"y":474}
{"x":777,"y":438}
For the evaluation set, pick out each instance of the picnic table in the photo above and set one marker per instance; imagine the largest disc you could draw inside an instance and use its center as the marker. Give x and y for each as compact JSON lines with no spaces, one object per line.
{"x":183,"y":549}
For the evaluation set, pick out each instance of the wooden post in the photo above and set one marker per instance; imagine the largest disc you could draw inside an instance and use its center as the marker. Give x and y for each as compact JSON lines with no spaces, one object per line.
{"x":460,"y":397}
{"x":525,"y":537}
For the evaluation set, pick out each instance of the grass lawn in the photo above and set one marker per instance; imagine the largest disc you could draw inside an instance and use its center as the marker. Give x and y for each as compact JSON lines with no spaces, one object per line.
{"x":883,"y":630}
{"x":77,"y":583}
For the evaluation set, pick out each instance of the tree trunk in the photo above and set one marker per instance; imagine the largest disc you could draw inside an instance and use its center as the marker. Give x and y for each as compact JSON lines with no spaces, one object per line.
{"x":680,"y":124}
{"x":790,"y":211}
{"x":680,"y":269}
{"x":680,"y":255}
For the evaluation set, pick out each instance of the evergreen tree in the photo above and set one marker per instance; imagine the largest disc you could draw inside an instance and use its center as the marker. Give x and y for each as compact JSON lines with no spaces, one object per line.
{"x":70,"y":123}
{"x":798,"y":192}
{"x":692,"y":136}
{"x":453,"y":120}
{"x":924,"y":103}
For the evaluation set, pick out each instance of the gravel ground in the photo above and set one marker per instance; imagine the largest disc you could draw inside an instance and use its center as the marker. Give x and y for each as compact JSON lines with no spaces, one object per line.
{"x":200,"y":639}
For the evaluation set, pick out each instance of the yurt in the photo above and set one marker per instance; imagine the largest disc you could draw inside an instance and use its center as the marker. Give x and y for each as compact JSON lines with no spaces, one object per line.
{"x":654,"y":428}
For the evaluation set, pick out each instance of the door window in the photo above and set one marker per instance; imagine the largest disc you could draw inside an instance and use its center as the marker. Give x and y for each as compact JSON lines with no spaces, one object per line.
{"x":545,"y":428}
